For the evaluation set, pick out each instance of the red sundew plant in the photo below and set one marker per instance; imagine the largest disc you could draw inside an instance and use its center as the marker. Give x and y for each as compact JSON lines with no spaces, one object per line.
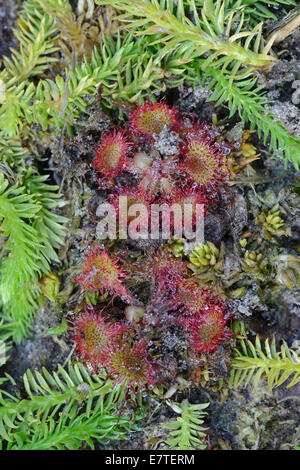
{"x":93,"y":335}
{"x":188,"y":297}
{"x":113,"y":348}
{"x":134,"y":196}
{"x":193,"y":198}
{"x":189,"y":196}
{"x":159,"y":158}
{"x":137,"y":210}
{"x":162,"y":269}
{"x":111,"y":156}
{"x":204,"y":159}
{"x":130,"y":364}
{"x":159,"y":178}
{"x":206,"y":329}
{"x":164,"y":265}
{"x":193,"y":159}
{"x":102,"y":273}
{"x":149,"y":119}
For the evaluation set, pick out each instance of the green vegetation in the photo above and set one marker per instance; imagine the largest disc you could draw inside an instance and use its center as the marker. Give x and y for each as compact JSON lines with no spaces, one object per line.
{"x":62,"y":62}
{"x":162,"y":48}
{"x":187,"y":431}
{"x":252,"y":362}
{"x":62,"y":410}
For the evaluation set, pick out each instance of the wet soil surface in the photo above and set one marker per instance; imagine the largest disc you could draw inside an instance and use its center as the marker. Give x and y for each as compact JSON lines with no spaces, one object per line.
{"x":237,"y":419}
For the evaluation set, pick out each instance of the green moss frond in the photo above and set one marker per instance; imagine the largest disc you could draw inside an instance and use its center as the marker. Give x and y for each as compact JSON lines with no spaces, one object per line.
{"x":14,"y":155}
{"x":36,"y":33}
{"x":209,"y":32}
{"x":121,"y":69}
{"x":242,"y":97}
{"x":32,"y":232}
{"x":187,"y":431}
{"x":259,"y":10}
{"x":254,"y":361}
{"x":254,"y":10}
{"x":62,"y":410}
